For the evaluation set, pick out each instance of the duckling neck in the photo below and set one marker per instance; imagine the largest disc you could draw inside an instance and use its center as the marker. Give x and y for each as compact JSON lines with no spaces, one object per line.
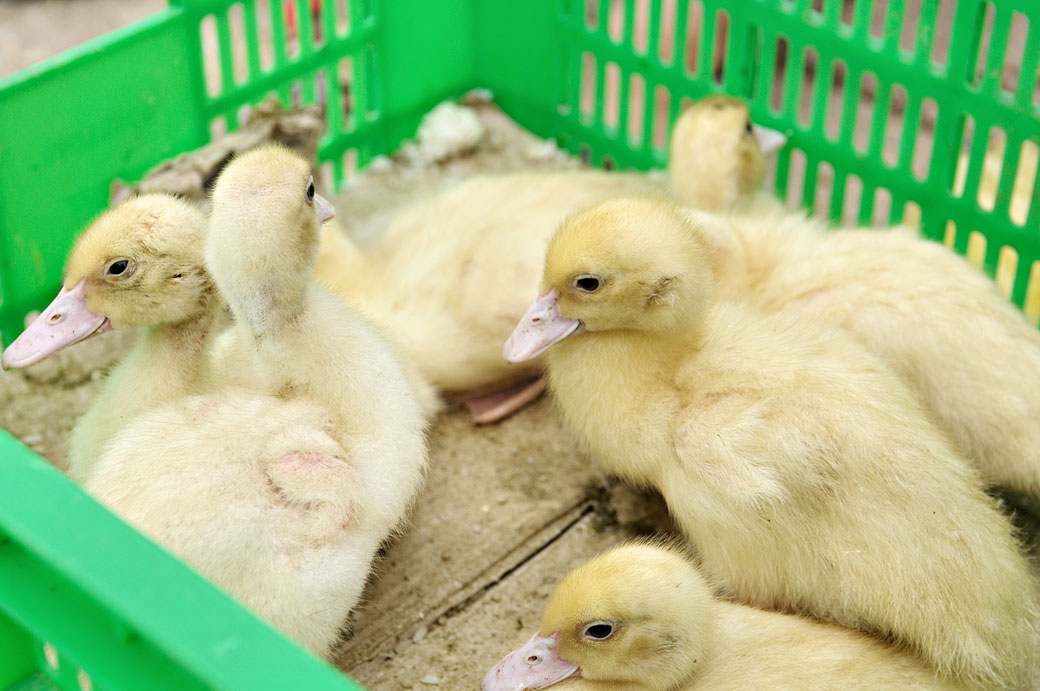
{"x":172,"y":353}
{"x":606,"y":380}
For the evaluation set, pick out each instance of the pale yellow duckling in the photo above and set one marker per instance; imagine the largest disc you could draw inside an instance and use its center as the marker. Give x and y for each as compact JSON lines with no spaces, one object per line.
{"x":718,"y":155}
{"x":933,"y":317}
{"x":804,"y":472}
{"x":641,"y":617}
{"x":452,"y":275}
{"x":253,"y":492}
{"x":290,"y":338}
{"x":139,"y":264}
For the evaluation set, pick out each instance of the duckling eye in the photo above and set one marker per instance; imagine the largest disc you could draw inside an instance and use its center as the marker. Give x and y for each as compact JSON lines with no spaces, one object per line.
{"x":118,"y":267}
{"x":747,"y":127}
{"x":310,"y":191}
{"x":588,"y":284}
{"x":598,"y":631}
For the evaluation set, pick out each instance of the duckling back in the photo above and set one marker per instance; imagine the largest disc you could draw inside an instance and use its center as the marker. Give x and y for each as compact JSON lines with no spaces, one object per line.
{"x":256,"y":494}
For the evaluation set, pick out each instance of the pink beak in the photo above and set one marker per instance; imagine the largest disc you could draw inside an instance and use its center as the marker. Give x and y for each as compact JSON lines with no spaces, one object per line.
{"x":534,"y":666}
{"x":324,"y":208}
{"x":768,"y":140}
{"x":65,"y":321}
{"x":540,"y":327}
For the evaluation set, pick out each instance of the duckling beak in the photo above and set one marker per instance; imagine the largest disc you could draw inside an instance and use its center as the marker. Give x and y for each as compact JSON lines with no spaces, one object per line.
{"x":540,"y":327}
{"x":65,"y":321}
{"x":534,"y":666}
{"x":768,"y":140}
{"x":324,"y":208}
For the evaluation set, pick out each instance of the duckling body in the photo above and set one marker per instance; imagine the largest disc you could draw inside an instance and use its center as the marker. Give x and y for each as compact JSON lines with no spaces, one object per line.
{"x":293,"y":340}
{"x":254,"y":493}
{"x":806,"y":475}
{"x":938,"y":321}
{"x":667,"y":632}
{"x":454,"y":273}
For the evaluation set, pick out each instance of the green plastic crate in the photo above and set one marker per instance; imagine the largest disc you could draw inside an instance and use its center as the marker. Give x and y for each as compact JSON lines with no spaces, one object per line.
{"x":85,"y":602}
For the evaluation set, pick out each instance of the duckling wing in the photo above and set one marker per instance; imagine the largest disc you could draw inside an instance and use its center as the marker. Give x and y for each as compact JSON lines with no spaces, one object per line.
{"x":725,"y":440}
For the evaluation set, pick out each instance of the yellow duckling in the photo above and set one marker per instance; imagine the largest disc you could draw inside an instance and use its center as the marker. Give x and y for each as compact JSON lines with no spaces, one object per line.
{"x":138,"y":264}
{"x":292,"y":339}
{"x":803,"y":471}
{"x":453,"y":274}
{"x":641,"y":617}
{"x":717,"y":157}
{"x":906,"y":299}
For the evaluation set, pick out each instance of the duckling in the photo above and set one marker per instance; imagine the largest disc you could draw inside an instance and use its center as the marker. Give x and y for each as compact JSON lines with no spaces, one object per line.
{"x":137,"y":265}
{"x":291,"y":338}
{"x":906,"y":299}
{"x":255,"y":493}
{"x":454,"y":273}
{"x":642,"y":617}
{"x":805,"y":473}
{"x":717,"y":157}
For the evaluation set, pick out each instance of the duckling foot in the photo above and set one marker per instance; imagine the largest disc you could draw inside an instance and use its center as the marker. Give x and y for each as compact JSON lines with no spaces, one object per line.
{"x":498,"y":405}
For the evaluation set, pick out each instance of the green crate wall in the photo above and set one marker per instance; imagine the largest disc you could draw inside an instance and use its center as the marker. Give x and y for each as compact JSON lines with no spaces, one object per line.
{"x":605,"y":78}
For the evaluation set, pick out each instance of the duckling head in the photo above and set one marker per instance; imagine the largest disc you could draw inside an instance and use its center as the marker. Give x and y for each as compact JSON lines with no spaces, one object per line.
{"x":264,"y":231}
{"x":639,"y":615}
{"x":139,"y":264}
{"x":717,"y":153}
{"x":626,"y":264}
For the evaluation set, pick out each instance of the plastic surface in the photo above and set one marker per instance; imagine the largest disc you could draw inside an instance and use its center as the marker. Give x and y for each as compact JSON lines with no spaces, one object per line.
{"x":604,"y":77}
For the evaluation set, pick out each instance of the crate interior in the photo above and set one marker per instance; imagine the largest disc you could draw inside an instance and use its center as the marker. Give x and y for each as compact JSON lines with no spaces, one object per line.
{"x":878,"y":97}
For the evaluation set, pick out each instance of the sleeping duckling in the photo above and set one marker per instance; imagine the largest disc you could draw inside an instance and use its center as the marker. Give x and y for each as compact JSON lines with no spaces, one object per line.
{"x":453,"y":274}
{"x":139,"y":264}
{"x":803,"y":471}
{"x":717,"y":157}
{"x":906,"y":299}
{"x":292,"y":339}
{"x":254,"y":493}
{"x":641,"y":617}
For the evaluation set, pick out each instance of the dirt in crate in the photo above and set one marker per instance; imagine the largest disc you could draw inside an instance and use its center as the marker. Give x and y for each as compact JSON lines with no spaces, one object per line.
{"x":505,"y":511}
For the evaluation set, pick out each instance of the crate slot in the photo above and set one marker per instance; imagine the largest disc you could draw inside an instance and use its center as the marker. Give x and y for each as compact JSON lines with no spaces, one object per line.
{"x":611,"y":96}
{"x":908,"y":31}
{"x":942,"y":32}
{"x":924,"y":139}
{"x":1007,"y":266}
{"x":1025,"y":182}
{"x":976,"y":253}
{"x":666,"y":39}
{"x":912,"y":215}
{"x":720,"y":46}
{"x":992,"y":169}
{"x":852,"y":196}
{"x":779,"y":74}
{"x":1031,"y":306}
{"x":662,"y":117}
{"x":587,"y":103}
{"x":694,"y":37}
{"x":210,"y":55}
{"x":807,"y":86}
{"x":881,"y":213}
{"x":823,"y":194}
{"x":795,"y":178}
{"x":616,"y":21}
{"x":891,"y":143}
{"x":636,"y":107}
